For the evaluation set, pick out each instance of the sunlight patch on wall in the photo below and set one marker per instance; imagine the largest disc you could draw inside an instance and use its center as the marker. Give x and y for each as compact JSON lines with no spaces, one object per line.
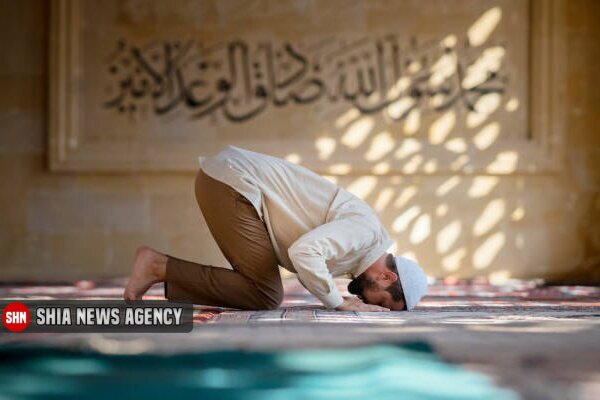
{"x":357,"y":132}
{"x":518,"y":214}
{"x":443,"y":68}
{"x":474,"y":119}
{"x":400,"y":86}
{"x":413,"y":164}
{"x":459,"y":163}
{"x":402,"y":221}
{"x":381,"y":168}
{"x":400,"y":106}
{"x":405,"y":196}
{"x":478,"y":72}
{"x":381,"y":144}
{"x":456,"y":145}
{"x":363,"y":186}
{"x":449,"y":41}
{"x":441,"y":128}
{"x":347,"y":118}
{"x":408,"y":147}
{"x":414,"y":67}
{"x":512,"y":104}
{"x":487,"y":252}
{"x":453,"y":261}
{"x":447,"y":236}
{"x":325,"y":147}
{"x":430,"y":166}
{"x":383,"y":199}
{"x":421,"y":229}
{"x":339,"y":169}
{"x":413,"y":122}
{"x":441,"y":210}
{"x":293,"y":158}
{"x":447,"y":186}
{"x":481,"y":29}
{"x":488,"y":103}
{"x":491,"y":215}
{"x":505,"y":163}
{"x":482,"y":186}
{"x":487,"y":136}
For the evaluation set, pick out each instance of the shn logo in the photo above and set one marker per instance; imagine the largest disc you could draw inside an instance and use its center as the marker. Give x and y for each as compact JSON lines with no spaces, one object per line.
{"x":15,"y":317}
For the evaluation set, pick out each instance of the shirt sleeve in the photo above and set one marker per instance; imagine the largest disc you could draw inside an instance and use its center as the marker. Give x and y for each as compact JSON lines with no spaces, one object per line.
{"x":310,"y":252}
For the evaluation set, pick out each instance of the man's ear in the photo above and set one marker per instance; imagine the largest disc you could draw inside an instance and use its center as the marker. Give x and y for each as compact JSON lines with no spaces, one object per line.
{"x":388,"y":276}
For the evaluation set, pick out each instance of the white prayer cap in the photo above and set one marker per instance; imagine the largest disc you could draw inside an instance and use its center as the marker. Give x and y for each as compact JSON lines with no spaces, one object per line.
{"x":412,"y":280}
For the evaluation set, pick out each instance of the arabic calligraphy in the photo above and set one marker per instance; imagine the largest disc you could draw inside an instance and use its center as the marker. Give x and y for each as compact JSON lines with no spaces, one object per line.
{"x":239,"y":79}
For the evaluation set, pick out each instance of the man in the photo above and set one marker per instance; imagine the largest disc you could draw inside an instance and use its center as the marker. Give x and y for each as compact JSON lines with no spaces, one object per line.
{"x":264,"y":211}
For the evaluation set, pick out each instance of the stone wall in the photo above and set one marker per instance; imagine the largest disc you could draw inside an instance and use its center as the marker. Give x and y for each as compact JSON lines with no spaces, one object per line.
{"x":64,"y":225}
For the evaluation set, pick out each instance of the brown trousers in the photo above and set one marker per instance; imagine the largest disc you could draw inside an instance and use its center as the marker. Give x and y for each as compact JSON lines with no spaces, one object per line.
{"x":254,"y":283}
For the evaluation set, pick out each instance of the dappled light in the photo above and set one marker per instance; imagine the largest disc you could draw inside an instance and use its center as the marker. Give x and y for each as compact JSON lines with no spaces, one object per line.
{"x":401,"y":222}
{"x":381,"y":144}
{"x":518,"y":214}
{"x":447,"y":186}
{"x":480,"y":31}
{"x":381,"y":168}
{"x":325,"y":147}
{"x":407,"y":147}
{"x":421,"y":229}
{"x":437,"y":169}
{"x":343,"y":120}
{"x":512,"y":104}
{"x":340,"y":169}
{"x":456,"y":145}
{"x":294,"y":158}
{"x":482,"y":186}
{"x":363,"y":186}
{"x":491,"y":215}
{"x":441,"y":128}
{"x":447,"y":236}
{"x":357,"y":132}
{"x":487,"y":136}
{"x":413,"y":164}
{"x":413,"y":122}
{"x":405,"y":196}
{"x":505,"y":162}
{"x":490,"y":60}
{"x":384,"y":198}
{"x":441,"y":210}
{"x":453,"y":261}
{"x":400,"y":107}
{"x":485,"y":254}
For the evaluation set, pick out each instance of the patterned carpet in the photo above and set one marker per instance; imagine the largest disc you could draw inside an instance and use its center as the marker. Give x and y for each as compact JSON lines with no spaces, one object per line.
{"x":299,"y":305}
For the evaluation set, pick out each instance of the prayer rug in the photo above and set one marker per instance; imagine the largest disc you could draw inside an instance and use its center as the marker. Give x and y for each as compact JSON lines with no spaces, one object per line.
{"x":300,"y":306}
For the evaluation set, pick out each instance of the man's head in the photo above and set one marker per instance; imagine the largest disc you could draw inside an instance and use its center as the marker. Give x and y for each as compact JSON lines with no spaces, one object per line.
{"x":382,"y":283}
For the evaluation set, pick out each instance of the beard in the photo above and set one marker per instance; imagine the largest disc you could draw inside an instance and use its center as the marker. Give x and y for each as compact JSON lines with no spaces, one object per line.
{"x":362,"y":282}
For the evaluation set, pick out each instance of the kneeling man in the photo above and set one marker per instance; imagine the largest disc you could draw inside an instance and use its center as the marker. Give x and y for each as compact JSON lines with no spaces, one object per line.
{"x":263,"y":212}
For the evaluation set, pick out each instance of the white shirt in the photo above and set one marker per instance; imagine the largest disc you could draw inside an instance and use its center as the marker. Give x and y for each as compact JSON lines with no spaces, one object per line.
{"x":318,"y":229}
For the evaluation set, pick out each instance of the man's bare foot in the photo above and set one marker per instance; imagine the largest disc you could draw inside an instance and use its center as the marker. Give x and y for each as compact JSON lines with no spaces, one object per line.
{"x":149,"y":268}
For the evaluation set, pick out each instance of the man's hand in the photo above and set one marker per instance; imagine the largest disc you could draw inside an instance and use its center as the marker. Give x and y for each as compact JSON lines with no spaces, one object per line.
{"x":355,"y":304}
